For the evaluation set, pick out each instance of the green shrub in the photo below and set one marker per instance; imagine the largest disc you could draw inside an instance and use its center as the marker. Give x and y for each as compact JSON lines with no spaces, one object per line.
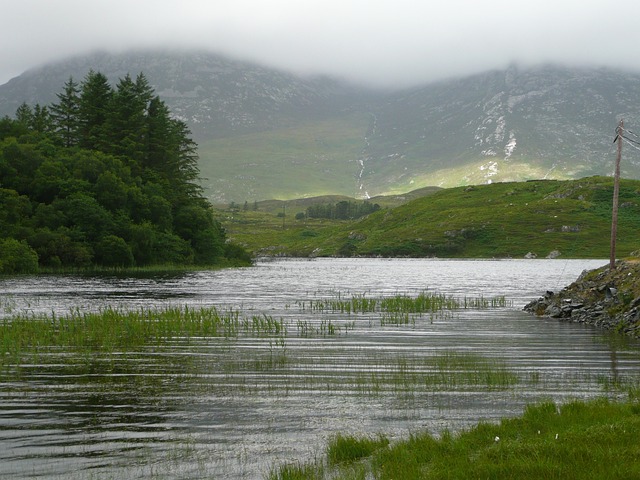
{"x":17,"y":257}
{"x":113,"y":251}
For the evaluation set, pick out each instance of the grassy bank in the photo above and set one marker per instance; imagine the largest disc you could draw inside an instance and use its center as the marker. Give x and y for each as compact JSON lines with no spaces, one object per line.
{"x":578,"y":440}
{"x":500,"y":220}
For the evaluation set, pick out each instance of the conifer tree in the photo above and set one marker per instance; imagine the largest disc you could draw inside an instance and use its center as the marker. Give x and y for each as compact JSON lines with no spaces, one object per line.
{"x":65,"y":114}
{"x":24,"y":115}
{"x":94,"y":102}
{"x":126,"y":120}
{"x":41,"y":120}
{"x":36,"y":119}
{"x":158,"y":136}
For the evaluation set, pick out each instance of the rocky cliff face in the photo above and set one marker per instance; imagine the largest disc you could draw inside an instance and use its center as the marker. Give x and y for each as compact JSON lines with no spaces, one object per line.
{"x":605,"y":298}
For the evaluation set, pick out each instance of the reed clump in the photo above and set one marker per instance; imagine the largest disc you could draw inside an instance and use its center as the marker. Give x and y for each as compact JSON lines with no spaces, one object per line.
{"x":424,"y":303}
{"x":348,"y":448}
{"x":445,"y":371}
{"x":111,"y":328}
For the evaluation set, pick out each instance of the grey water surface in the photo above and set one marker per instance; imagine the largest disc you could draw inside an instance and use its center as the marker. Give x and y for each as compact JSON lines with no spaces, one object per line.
{"x":236,"y":407}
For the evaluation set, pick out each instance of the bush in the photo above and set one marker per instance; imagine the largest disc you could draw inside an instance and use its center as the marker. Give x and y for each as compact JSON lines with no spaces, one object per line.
{"x":113,"y":251}
{"x":234,"y":251}
{"x":17,"y":257}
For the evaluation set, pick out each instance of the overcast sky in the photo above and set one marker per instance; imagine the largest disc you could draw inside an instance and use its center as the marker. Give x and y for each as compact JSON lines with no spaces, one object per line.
{"x":383,"y":42}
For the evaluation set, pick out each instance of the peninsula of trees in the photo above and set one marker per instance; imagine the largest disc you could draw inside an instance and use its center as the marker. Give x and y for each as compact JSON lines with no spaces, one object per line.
{"x":107,"y":177}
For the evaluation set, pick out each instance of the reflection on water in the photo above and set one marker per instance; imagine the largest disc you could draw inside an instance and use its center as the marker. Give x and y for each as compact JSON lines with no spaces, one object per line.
{"x":233,"y":407}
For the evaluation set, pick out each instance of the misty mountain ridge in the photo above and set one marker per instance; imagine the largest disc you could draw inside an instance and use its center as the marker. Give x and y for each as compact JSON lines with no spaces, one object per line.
{"x":265,"y":133}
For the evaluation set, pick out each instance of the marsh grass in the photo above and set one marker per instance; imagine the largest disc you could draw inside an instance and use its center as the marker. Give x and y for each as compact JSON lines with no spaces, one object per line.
{"x":348,"y":448}
{"x":297,"y":471}
{"x":423,"y":303}
{"x":113,"y":329}
{"x":7,"y":304}
{"x":578,"y":440}
{"x":449,"y":370}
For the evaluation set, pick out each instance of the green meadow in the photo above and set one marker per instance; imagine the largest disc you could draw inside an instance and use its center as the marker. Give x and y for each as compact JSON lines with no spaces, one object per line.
{"x":501,"y":220}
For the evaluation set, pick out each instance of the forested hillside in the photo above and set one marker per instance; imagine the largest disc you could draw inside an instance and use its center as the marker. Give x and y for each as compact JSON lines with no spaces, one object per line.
{"x":104,"y":176}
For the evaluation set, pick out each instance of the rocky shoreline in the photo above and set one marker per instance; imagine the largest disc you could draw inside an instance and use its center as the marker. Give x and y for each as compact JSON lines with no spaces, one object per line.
{"x":605,"y":298}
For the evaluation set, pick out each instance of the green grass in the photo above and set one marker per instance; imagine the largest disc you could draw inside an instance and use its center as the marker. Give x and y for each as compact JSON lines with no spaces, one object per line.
{"x":424,"y":302}
{"x":116,"y":329}
{"x":485,"y":221}
{"x":444,"y":371}
{"x":112,"y":329}
{"x":577,"y":440}
{"x":347,"y":448}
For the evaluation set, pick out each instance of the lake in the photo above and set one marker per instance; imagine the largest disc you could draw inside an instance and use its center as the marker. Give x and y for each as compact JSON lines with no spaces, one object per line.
{"x":236,"y":406}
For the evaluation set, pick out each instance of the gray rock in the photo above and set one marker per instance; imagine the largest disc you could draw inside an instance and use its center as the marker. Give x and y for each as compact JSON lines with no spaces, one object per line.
{"x":553,"y":311}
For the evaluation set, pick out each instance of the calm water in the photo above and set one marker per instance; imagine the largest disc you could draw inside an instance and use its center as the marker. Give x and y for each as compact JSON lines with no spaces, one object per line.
{"x":233,"y":408}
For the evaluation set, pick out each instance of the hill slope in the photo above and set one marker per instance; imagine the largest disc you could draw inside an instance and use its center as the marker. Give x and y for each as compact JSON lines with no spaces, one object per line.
{"x":265,"y":133}
{"x":537,"y":218}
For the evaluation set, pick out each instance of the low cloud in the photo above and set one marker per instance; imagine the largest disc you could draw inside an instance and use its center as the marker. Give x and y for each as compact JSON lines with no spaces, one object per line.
{"x":385,"y":43}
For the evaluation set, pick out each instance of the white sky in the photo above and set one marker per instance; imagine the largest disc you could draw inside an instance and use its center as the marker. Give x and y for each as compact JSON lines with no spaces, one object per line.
{"x":382,"y":42}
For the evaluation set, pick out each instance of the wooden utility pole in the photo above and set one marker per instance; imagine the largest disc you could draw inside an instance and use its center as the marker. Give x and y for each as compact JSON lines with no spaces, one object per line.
{"x":616,"y":192}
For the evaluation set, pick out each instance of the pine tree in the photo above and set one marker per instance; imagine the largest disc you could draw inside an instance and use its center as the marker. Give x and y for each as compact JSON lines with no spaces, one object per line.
{"x":158,"y":136}
{"x":126,"y":122}
{"x":41,"y":121}
{"x":66,"y":114}
{"x":95,"y":97}
{"x":24,"y":115}
{"x":186,"y":167}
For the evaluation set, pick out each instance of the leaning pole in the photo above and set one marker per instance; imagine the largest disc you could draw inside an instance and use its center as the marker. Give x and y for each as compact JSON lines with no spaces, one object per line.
{"x":616,"y":192}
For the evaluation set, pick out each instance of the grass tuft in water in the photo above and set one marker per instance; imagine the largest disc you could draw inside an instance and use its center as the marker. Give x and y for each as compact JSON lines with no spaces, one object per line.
{"x":448,"y":370}
{"x":111,"y":329}
{"x":347,"y":448}
{"x":297,"y":471}
{"x":399,"y":306}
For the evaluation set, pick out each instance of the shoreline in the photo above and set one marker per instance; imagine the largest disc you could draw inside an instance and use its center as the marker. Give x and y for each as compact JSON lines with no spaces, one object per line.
{"x":605,"y":298}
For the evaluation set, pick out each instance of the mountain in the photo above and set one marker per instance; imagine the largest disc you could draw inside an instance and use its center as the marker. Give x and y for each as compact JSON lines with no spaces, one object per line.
{"x":216,"y":96}
{"x":546,"y":122}
{"x":265,"y":133}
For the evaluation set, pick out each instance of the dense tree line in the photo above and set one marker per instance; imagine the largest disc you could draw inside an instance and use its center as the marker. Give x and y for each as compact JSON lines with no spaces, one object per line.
{"x":104,"y":176}
{"x":344,"y":210}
